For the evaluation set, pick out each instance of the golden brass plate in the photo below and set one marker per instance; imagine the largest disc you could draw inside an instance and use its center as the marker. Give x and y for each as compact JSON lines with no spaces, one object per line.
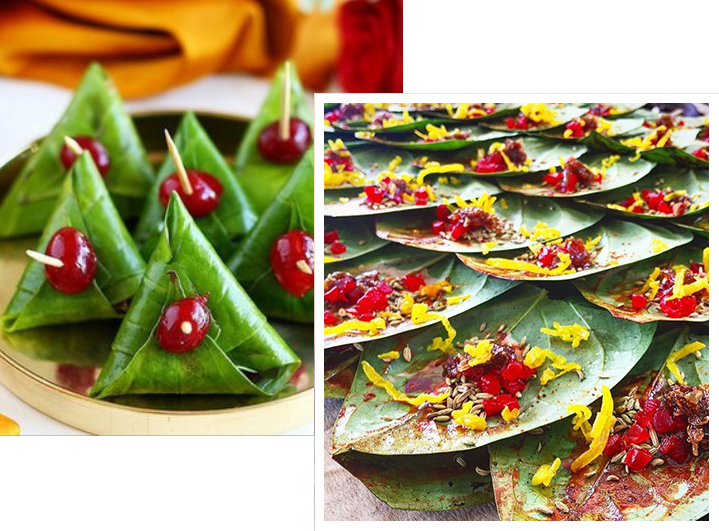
{"x":52,"y":368}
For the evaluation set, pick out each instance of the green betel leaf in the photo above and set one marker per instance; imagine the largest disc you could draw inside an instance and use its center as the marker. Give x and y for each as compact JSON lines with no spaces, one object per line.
{"x":562,"y":114}
{"x":260,"y":178}
{"x":96,"y":110}
{"x":423,"y":482}
{"x":478,"y":136}
{"x":85,"y":205}
{"x":397,"y":261}
{"x":370,"y":160}
{"x":694,"y":182}
{"x":419,"y":123}
{"x":698,"y":224}
{"x":242,"y":353}
{"x":371,"y":422}
{"x":613,"y":290}
{"x":415,"y":229}
{"x":621,"y":243}
{"x":500,"y":110}
{"x":357,"y":235}
{"x":618,"y":174}
{"x":292,"y":209}
{"x":346,"y":203}
{"x":607,"y":140}
{"x":666,"y":492}
{"x":340,"y":365}
{"x":228,"y":223}
{"x":543,"y":153}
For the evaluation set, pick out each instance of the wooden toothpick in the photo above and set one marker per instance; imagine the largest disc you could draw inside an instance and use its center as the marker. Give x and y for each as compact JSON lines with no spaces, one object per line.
{"x":286,"y":105}
{"x":179,"y":166}
{"x":44,"y":259}
{"x":72,"y":144}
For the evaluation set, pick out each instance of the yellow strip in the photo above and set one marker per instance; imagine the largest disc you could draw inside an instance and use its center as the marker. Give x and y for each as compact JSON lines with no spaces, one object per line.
{"x":9,"y":475}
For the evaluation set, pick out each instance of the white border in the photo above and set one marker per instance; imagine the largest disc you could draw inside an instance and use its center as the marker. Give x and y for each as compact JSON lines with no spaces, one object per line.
{"x":320,"y":100}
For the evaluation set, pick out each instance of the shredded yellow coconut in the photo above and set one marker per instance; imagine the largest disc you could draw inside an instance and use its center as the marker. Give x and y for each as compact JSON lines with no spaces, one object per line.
{"x":539,"y":112}
{"x":545,"y":473}
{"x":397,"y":395}
{"x":329,"y":259}
{"x":508,"y":414}
{"x":582,"y":414}
{"x":463,"y":417}
{"x":485,"y":202}
{"x":503,"y":203}
{"x":420,"y":316}
{"x":599,"y":434}
{"x":574,"y":333}
{"x":562,"y":268}
{"x":452,"y":301}
{"x":446,"y":168}
{"x":658,"y":246}
{"x":406,"y":305}
{"x":498,"y":147}
{"x":372,"y":327}
{"x":536,"y":357}
{"x":487,"y":246}
{"x":481,"y":353}
{"x":436,"y":133}
{"x":389,"y":356}
{"x":674,"y":357}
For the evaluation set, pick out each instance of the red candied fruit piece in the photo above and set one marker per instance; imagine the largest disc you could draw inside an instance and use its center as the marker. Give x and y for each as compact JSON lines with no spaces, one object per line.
{"x":494,"y":406}
{"x":514,"y":386}
{"x":442,"y":212}
{"x":636,"y":434}
{"x":457,"y":231}
{"x":330,"y":318}
{"x":492,"y":163}
{"x":645,"y":416}
{"x":338,"y":248}
{"x":639,"y":301}
{"x":547,"y":255}
{"x":677,"y":308}
{"x":515,"y":370}
{"x":438,"y":227}
{"x":576,"y":128}
{"x":665,"y":422}
{"x":421,"y":197}
{"x":372,"y":301}
{"x":289,"y":250}
{"x":97,"y":150}
{"x":184,"y":324}
{"x":702,"y":153}
{"x":615,"y":444}
{"x":577,"y":252}
{"x":331,"y":236}
{"x":676,"y":447}
{"x":653,"y":198}
{"x":77,"y":254}
{"x":521,"y":122}
{"x":413,"y":282}
{"x":489,"y":383}
{"x":695,"y":268}
{"x":637,"y":458}
{"x":374,"y":194}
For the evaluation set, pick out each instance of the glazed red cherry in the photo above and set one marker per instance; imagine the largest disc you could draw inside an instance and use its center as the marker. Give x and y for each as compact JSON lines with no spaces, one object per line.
{"x":97,"y":151}
{"x":205,"y":197}
{"x":271,"y":145}
{"x":184,"y":324}
{"x":292,"y":259}
{"x":75,"y":251}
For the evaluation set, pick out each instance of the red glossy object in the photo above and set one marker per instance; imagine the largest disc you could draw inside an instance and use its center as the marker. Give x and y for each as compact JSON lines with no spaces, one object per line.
{"x":494,"y":406}
{"x":413,"y":282}
{"x":615,"y":444}
{"x":645,"y":416}
{"x":184,"y":324}
{"x":338,"y":248}
{"x":438,"y":227}
{"x":75,"y":251}
{"x":289,"y":250}
{"x":664,"y":421}
{"x":639,"y":301}
{"x":97,"y":151}
{"x":677,"y":308}
{"x":331,"y":236}
{"x":637,"y":458}
{"x":372,"y":301}
{"x":489,"y":383}
{"x":272,"y":147}
{"x":676,"y":447}
{"x":492,"y":163}
{"x":442,"y":212}
{"x":205,"y":197}
{"x":576,"y":128}
{"x":374,"y":194}
{"x":636,"y":434}
{"x":702,"y":153}
{"x":330,"y":318}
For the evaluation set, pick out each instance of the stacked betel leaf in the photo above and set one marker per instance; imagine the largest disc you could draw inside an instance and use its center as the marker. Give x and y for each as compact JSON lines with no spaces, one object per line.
{"x":192,"y":291}
{"x":516,"y":307}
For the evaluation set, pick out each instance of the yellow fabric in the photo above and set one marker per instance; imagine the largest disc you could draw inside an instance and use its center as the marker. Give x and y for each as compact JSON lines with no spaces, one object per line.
{"x":149,"y":46}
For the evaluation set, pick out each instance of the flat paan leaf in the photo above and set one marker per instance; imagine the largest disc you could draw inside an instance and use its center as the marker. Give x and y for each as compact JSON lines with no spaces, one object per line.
{"x":399,"y":261}
{"x":621,"y":243}
{"x":357,"y":235}
{"x":695,"y":183}
{"x":242,"y":353}
{"x":543,"y":153}
{"x":95,"y":110}
{"x":292,"y":209}
{"x":619,"y":173}
{"x":667,"y":492}
{"x":419,"y":123}
{"x":345,"y":203}
{"x":607,"y":140}
{"x":370,"y":161}
{"x":562,"y":114}
{"x":85,"y":205}
{"x":415,"y":229}
{"x":500,"y":110}
{"x":371,"y":422}
{"x":262,"y":179}
{"x":228,"y":223}
{"x":340,"y":365}
{"x":698,"y":224}
{"x":423,"y":482}
{"x":478,"y":136}
{"x":612,"y":290}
